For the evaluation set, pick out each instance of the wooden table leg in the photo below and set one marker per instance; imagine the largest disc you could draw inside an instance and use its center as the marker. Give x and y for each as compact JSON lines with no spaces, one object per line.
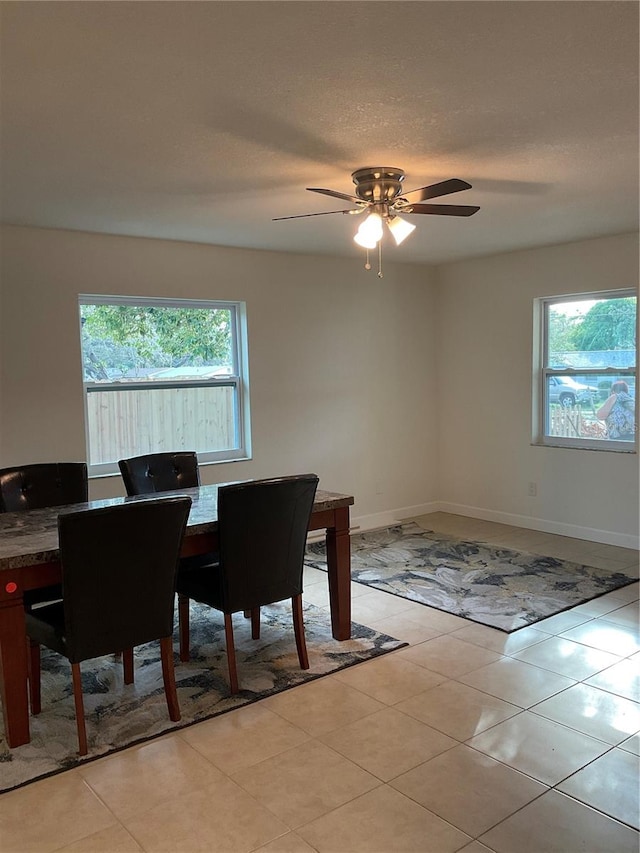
{"x":339,"y":571}
{"x":13,"y":662}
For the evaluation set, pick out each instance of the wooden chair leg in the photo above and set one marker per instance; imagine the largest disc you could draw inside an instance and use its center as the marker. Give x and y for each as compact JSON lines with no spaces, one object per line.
{"x":231,"y":653}
{"x":77,"y":697}
{"x":255,"y":623}
{"x":169,"y":678}
{"x":33,"y":663}
{"x":183,"y":627}
{"x":127,"y":663}
{"x":298,"y":627}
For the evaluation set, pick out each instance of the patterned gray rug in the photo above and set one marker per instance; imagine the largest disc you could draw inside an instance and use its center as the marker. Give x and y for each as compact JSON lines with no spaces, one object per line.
{"x":494,"y":586}
{"x":120,"y":715}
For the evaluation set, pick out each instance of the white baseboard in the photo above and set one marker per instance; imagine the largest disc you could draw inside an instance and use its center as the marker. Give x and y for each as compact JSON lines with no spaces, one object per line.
{"x":389,"y":517}
{"x":591,"y":534}
{"x":360,"y":523}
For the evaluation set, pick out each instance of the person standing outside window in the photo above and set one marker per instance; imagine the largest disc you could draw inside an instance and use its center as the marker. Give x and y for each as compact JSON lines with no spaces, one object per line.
{"x":618,"y":412}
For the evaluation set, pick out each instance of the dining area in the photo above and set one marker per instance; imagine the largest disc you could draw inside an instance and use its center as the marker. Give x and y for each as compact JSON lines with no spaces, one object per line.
{"x":94,"y":578}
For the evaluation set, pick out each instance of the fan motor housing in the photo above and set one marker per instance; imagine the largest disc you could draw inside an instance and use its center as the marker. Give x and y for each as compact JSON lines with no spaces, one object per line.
{"x":378,"y":183}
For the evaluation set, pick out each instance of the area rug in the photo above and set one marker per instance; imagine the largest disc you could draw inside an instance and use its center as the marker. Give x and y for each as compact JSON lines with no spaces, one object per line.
{"x":120,"y":715}
{"x":493,"y":586}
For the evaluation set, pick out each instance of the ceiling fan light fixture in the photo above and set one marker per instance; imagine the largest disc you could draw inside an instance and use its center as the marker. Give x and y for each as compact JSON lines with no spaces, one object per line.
{"x":379,"y":192}
{"x":369,"y":233}
{"x":364,"y":241}
{"x":400,"y":228}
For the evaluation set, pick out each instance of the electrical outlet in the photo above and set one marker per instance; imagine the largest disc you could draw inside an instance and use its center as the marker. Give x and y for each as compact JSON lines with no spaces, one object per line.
{"x":532,"y":490}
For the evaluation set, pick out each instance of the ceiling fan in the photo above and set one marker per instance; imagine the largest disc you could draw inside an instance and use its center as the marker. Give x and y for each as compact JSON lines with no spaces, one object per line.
{"x":379,"y":193}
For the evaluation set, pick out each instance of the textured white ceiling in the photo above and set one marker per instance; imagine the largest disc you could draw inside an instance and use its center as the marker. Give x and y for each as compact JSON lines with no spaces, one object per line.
{"x":202,"y":121}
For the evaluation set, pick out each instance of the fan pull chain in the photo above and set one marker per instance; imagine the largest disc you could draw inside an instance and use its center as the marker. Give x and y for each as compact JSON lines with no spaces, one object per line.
{"x":367,"y":265}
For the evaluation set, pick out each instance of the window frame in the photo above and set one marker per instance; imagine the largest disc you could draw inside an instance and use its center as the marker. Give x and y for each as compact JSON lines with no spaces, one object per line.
{"x":238,"y":379}
{"x":542,"y":373}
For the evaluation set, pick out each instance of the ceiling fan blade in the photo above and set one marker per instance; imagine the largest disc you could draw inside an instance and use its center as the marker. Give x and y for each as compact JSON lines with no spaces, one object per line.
{"x":335,"y":194}
{"x":324,"y":213}
{"x":454,"y":185}
{"x":442,"y":209}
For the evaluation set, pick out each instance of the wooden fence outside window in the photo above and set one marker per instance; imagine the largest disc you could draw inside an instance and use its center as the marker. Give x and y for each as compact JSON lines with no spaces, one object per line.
{"x":571,"y":422}
{"x":128,"y":422}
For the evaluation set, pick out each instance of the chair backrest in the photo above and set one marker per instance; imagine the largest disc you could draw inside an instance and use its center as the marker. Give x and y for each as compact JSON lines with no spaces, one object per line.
{"x":160,"y":472}
{"x":42,"y":485}
{"x":119,"y":568}
{"x":262,"y":529}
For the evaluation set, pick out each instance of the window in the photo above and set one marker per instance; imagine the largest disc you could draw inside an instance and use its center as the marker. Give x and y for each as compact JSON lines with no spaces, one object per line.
{"x":162,"y":375}
{"x":585,"y":388}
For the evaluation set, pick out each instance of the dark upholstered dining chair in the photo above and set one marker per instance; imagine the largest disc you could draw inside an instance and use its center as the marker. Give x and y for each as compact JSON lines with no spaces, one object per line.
{"x":42,"y":485}
{"x":119,"y":567}
{"x":160,"y":472}
{"x":262,"y":530}
{"x":165,"y":472}
{"x":45,"y":484}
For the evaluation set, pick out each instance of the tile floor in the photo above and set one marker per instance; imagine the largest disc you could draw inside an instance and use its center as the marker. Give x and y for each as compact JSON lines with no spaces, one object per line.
{"x":468,"y":739}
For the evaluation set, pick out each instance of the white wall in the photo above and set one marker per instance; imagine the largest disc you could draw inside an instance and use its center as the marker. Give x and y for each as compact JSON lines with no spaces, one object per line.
{"x":411,"y":392}
{"x":485,"y":338}
{"x":342,"y":364}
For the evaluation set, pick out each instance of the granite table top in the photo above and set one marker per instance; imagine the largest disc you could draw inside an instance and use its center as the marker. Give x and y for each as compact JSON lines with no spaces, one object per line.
{"x":29,"y":538}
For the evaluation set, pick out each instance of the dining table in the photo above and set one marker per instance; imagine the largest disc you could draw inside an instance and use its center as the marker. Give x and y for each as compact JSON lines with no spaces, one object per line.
{"x":30,"y":559}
